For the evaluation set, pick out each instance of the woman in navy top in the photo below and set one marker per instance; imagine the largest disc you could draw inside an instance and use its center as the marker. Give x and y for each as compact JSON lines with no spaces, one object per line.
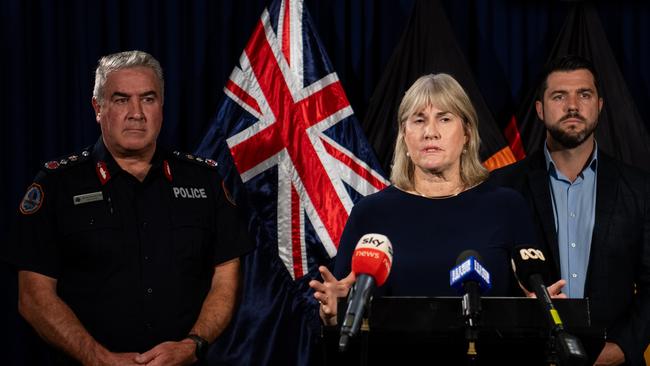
{"x":437,"y":207}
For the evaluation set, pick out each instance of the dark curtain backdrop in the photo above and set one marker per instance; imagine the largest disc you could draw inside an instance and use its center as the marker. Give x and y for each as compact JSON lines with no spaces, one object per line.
{"x":50,"y":49}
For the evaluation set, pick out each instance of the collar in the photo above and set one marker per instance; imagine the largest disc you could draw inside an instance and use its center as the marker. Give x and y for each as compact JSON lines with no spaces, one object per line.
{"x":552,"y":168}
{"x":106,"y":167}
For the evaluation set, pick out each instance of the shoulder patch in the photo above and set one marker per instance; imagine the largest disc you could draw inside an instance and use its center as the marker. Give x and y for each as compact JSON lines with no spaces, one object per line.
{"x":67,"y":160}
{"x":227,"y":194}
{"x":32,"y":200}
{"x":210,"y":163}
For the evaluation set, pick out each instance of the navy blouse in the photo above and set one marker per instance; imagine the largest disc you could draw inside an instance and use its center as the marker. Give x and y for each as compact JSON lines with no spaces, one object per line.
{"x":428,"y":235}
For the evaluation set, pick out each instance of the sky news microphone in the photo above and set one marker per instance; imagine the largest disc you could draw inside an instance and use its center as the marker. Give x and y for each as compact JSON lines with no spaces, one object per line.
{"x":531,"y":269}
{"x":371,"y":262}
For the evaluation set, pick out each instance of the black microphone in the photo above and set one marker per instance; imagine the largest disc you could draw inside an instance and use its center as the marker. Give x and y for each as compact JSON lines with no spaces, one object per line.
{"x":471,"y":279}
{"x":371,"y":262}
{"x":531,"y":270}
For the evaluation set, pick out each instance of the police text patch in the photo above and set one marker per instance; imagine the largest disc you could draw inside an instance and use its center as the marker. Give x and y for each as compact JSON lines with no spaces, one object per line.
{"x":189,"y":192}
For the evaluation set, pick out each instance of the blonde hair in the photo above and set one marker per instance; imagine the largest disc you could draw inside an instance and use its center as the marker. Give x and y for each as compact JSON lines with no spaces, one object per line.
{"x":445,"y":93}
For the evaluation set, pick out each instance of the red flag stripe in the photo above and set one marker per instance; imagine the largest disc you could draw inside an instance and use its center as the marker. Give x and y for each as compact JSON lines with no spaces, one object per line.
{"x":289,"y":131}
{"x":514,"y":139}
{"x":286,"y":31}
{"x":296,"y":234}
{"x":241,"y":94}
{"x":360,"y":170}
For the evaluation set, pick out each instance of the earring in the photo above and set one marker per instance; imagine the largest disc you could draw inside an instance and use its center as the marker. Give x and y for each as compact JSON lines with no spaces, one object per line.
{"x":407,"y":154}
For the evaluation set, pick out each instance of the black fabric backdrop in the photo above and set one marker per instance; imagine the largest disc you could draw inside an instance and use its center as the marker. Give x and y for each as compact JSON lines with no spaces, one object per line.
{"x":50,"y":49}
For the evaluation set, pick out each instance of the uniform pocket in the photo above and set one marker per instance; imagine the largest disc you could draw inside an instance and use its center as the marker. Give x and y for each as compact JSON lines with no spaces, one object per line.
{"x":191,"y":238}
{"x":92,"y":241}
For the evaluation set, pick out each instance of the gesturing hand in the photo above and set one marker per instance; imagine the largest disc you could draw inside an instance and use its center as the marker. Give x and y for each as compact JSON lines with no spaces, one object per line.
{"x":328,"y":292}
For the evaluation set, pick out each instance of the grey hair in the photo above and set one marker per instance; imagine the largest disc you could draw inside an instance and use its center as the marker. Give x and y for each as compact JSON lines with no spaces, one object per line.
{"x":125,"y":60}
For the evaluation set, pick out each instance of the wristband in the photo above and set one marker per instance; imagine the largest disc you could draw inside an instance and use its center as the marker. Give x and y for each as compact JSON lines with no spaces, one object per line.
{"x":201,"y":346}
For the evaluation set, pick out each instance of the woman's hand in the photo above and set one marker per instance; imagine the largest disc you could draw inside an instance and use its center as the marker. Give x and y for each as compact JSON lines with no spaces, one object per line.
{"x":328,"y":292}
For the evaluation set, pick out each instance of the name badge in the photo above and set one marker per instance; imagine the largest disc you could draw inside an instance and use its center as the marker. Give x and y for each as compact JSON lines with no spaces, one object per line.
{"x":88,"y":197}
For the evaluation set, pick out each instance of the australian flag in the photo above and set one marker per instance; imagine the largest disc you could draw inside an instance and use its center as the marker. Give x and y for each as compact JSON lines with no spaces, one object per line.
{"x":294,"y":157}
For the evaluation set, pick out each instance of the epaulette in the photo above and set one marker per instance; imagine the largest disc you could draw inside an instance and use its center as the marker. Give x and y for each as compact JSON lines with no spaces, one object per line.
{"x":210,"y":163}
{"x":67,"y":161}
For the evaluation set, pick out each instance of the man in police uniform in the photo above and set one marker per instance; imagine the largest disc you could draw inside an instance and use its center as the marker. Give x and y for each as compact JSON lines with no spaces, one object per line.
{"x":128,"y":254}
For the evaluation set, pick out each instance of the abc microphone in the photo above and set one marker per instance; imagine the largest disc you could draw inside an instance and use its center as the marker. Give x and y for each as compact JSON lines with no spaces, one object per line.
{"x":371,"y":262}
{"x":531,"y":270}
{"x":471,"y":279}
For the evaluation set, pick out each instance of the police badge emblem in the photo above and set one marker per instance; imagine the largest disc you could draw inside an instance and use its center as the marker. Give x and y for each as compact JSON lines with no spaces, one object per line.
{"x":32,"y":200}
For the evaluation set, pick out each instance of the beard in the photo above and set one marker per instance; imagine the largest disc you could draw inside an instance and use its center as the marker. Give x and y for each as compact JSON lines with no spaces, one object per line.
{"x":570,"y":138}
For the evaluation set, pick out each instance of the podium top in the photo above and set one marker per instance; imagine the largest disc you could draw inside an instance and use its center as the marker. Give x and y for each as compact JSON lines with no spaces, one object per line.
{"x":514,"y":315}
{"x":511,"y":330}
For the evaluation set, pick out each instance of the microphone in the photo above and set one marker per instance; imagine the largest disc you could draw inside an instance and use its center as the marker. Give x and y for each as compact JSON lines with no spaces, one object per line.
{"x":471,"y":279}
{"x":371,"y":262}
{"x":531,"y":270}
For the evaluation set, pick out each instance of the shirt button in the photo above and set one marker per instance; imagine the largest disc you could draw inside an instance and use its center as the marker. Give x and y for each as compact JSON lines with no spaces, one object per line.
{"x":573,"y":245}
{"x":573,"y":214}
{"x":148,"y":325}
{"x":149,"y":290}
{"x":574,"y":275}
{"x":146,"y":257}
{"x":144,"y":224}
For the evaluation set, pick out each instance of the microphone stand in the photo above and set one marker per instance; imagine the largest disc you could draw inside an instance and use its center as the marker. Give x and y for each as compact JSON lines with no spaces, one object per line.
{"x":471,"y":312}
{"x":365,"y":346}
{"x":563,"y":348}
{"x":551,"y":350}
{"x":471,"y":335}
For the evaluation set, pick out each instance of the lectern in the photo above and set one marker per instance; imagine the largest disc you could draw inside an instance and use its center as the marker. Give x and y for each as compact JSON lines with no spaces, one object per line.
{"x":430,"y":331}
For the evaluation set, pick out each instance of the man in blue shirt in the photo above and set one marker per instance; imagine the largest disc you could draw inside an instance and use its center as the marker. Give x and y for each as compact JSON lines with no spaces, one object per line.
{"x":592,"y":212}
{"x":574,"y":207}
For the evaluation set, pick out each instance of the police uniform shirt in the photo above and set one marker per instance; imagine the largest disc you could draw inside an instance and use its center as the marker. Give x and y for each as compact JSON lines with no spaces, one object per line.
{"x":134,"y":260}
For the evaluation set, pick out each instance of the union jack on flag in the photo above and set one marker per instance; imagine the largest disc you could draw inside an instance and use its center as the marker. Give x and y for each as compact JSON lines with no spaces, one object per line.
{"x":292,"y":153}
{"x":286,"y":110}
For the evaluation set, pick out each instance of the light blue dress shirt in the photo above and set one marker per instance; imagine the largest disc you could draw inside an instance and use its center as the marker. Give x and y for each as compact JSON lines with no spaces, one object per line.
{"x":574,"y":205}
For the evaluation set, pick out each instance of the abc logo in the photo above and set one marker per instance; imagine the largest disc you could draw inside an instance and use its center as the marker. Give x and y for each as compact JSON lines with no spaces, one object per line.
{"x":531,"y":253}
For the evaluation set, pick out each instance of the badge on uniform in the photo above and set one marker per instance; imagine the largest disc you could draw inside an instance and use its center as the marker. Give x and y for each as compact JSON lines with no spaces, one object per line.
{"x":52,"y":165}
{"x":88,"y":197}
{"x":102,"y":172}
{"x":32,"y":200}
{"x":167,"y":170}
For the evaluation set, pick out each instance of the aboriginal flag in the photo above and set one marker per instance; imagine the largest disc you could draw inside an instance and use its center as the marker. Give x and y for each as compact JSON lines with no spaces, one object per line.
{"x":621,"y":131}
{"x":428,"y":46}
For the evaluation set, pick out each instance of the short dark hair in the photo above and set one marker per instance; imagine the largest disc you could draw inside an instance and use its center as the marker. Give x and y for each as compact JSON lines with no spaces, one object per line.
{"x":566,"y":63}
